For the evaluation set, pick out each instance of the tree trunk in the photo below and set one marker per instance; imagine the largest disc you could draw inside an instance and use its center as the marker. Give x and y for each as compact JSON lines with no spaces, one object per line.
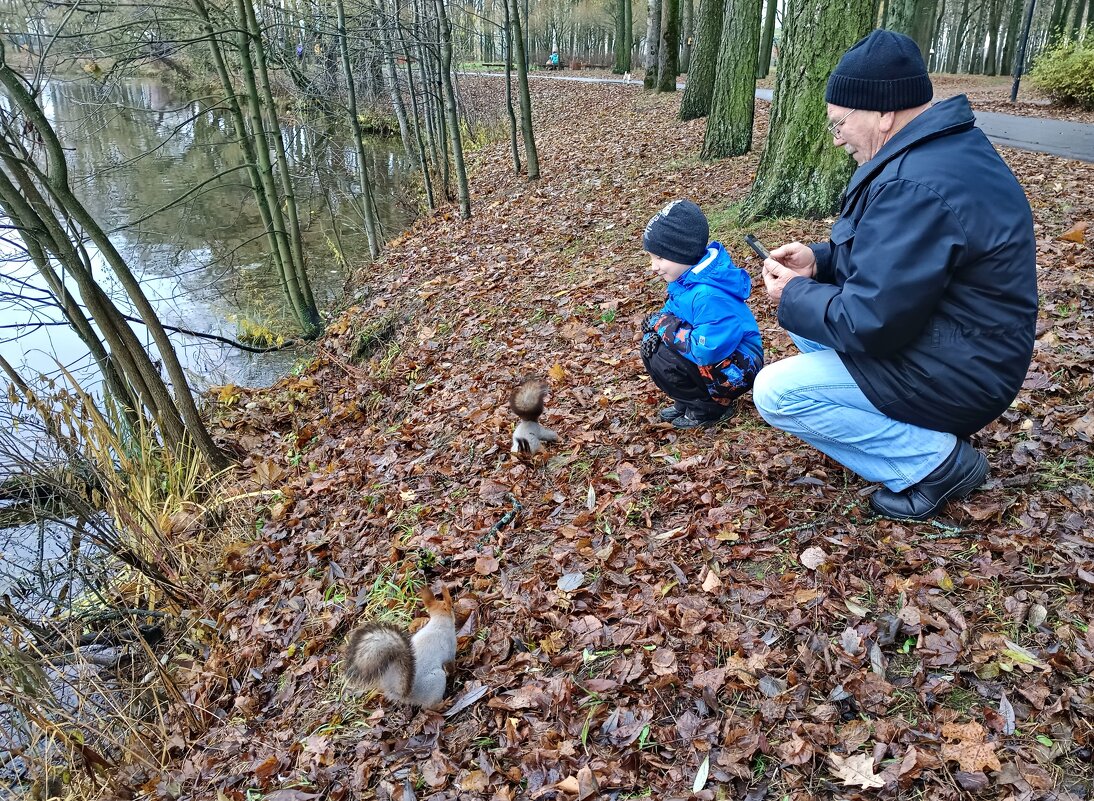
{"x":620,"y":36}
{"x":668,"y":60}
{"x":368,"y":206}
{"x":687,"y":34}
{"x":801,"y":174}
{"x":423,"y":160}
{"x":916,"y":19}
{"x":1014,"y":21}
{"x":729,"y":126}
{"x":313,"y":324}
{"x":455,"y":138}
{"x":297,"y":297}
{"x":56,"y":182}
{"x":628,"y":33}
{"x":991,"y":58}
{"x":391,"y":78}
{"x":704,"y":61}
{"x":269,"y":206}
{"x":653,"y":43}
{"x":767,"y":40}
{"x":1081,"y":9}
{"x":531,"y":155}
{"x":954,"y":60}
{"x":509,"y":88}
{"x":35,"y":236}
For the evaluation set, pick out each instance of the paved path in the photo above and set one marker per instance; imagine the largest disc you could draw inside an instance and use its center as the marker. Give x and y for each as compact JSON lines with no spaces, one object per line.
{"x":1070,"y":140}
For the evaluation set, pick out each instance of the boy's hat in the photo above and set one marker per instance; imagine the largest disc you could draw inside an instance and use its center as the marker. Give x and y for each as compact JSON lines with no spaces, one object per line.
{"x":883,"y":71}
{"x":679,"y":233}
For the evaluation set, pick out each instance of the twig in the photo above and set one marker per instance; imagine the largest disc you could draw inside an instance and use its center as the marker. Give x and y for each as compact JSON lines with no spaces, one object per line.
{"x":506,"y":519}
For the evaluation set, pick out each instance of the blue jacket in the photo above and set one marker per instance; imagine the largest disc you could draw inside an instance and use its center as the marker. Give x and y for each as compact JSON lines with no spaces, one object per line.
{"x":928,"y":288}
{"x":710,"y":298}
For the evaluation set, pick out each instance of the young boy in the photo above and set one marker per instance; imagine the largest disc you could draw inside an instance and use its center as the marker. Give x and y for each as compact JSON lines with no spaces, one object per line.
{"x":703,"y":349}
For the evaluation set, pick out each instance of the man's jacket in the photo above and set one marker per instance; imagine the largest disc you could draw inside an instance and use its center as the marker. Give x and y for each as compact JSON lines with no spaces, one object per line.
{"x":928,"y":288}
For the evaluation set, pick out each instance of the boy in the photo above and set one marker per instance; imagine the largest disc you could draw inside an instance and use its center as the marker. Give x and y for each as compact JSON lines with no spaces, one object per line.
{"x":703,"y":349}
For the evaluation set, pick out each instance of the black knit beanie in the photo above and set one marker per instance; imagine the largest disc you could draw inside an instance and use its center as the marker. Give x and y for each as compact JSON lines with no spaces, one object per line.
{"x":678,"y":233}
{"x":884,"y":71}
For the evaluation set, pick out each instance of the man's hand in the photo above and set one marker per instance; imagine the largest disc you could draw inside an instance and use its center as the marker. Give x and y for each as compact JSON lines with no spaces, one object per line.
{"x":797,"y":257}
{"x":787,"y":262}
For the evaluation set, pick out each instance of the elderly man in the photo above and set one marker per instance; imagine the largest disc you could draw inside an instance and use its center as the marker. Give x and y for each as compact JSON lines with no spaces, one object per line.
{"x":916,"y":320}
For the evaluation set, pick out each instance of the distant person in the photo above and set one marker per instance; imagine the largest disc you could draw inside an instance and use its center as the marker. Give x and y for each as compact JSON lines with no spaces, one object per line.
{"x":916,"y":320}
{"x":703,"y":349}
{"x":300,"y":52}
{"x":552,"y":61}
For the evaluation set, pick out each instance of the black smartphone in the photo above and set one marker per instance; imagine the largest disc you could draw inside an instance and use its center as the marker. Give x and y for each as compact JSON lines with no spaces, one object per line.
{"x":754,"y":243}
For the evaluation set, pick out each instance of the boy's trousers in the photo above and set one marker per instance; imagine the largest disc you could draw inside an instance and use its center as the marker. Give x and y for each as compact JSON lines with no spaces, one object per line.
{"x":813,"y":397}
{"x":681,"y":380}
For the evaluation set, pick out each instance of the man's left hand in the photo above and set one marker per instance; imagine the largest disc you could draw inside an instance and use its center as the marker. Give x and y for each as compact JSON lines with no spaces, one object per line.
{"x":776,"y":277}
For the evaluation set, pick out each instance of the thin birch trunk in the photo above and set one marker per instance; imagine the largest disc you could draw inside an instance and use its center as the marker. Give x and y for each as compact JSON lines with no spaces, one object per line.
{"x":531,"y":155}
{"x":454,"y":135}
{"x":368,"y":205}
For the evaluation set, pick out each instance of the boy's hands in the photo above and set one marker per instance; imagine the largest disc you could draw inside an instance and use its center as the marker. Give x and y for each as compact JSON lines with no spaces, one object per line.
{"x":662,"y":328}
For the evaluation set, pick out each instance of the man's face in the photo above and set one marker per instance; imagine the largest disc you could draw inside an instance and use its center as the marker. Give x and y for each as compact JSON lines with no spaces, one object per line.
{"x":856,"y":131}
{"x":667,"y":271}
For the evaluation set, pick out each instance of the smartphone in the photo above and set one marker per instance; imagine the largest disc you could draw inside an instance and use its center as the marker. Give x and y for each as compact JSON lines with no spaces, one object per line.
{"x":754,"y":243}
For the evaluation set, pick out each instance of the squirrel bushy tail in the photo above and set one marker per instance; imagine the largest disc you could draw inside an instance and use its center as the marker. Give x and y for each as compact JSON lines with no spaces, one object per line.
{"x":380,"y":656}
{"x":412,"y":669}
{"x":526,"y":401}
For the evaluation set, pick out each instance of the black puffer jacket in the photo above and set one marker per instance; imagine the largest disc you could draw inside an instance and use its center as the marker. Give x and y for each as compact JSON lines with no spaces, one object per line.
{"x":928,"y":287}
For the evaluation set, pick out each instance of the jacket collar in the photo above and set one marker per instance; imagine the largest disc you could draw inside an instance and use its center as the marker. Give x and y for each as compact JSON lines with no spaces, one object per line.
{"x":946,"y":117}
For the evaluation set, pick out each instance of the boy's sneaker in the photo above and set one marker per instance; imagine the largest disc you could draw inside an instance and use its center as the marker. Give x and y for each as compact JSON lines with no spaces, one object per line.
{"x":688,"y":420}
{"x":670,"y":413}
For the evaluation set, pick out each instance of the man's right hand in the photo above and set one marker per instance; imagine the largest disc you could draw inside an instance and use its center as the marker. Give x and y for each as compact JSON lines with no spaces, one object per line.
{"x":797,"y":257}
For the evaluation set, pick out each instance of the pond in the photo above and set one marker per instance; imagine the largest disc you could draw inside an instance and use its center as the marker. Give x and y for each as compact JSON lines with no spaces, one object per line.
{"x":137,"y":146}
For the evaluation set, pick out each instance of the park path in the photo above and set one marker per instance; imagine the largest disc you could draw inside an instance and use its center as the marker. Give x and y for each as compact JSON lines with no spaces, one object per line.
{"x":1069,"y":140}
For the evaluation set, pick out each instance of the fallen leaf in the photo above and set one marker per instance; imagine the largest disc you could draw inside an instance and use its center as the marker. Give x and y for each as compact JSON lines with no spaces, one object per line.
{"x":486,"y":565}
{"x":857,"y":770}
{"x":971,"y":781}
{"x":712,"y":582}
{"x":701,"y":775}
{"x":570,"y":581}
{"x":1076,"y":233}
{"x":971,"y":756}
{"x":813,"y":557}
{"x":1006,"y":711}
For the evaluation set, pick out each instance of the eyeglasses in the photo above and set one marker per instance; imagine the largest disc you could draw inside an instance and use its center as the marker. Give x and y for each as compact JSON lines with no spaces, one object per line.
{"x":834,"y":127}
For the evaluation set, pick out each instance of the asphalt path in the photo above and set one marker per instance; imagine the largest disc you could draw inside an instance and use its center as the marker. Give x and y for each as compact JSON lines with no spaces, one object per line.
{"x":1069,"y":140}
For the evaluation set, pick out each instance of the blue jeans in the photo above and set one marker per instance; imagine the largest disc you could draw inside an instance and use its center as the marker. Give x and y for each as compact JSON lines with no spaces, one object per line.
{"x":813,"y":397}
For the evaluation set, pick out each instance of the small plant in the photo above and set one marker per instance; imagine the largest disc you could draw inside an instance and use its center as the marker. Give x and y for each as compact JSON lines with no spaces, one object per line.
{"x":1065,"y":72}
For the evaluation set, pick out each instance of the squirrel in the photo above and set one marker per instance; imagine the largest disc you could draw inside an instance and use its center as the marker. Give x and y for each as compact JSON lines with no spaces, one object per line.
{"x":527,"y":404}
{"x":411,"y":669}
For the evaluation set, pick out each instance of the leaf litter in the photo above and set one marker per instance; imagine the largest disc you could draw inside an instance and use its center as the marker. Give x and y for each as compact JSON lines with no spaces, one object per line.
{"x":712,"y":612}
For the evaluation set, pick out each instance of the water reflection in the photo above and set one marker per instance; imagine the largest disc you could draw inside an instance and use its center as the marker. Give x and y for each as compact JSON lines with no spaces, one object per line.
{"x":138,"y":146}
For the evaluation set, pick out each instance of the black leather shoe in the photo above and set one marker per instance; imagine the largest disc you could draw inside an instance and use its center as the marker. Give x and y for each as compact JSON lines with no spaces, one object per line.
{"x":670,"y":413}
{"x":964,"y":470}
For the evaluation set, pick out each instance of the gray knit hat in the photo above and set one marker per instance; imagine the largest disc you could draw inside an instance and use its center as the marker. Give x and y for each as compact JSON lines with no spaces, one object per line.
{"x":679,"y":233}
{"x":884,"y":71}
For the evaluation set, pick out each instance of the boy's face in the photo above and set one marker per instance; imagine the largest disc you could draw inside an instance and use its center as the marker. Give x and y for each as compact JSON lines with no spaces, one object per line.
{"x":667,"y":271}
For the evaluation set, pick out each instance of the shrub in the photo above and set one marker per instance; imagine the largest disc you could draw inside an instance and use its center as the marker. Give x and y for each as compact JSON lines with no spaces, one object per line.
{"x":1065,"y":72}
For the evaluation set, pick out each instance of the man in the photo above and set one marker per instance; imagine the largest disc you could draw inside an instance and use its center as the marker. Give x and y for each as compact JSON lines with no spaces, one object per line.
{"x":916,"y":320}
